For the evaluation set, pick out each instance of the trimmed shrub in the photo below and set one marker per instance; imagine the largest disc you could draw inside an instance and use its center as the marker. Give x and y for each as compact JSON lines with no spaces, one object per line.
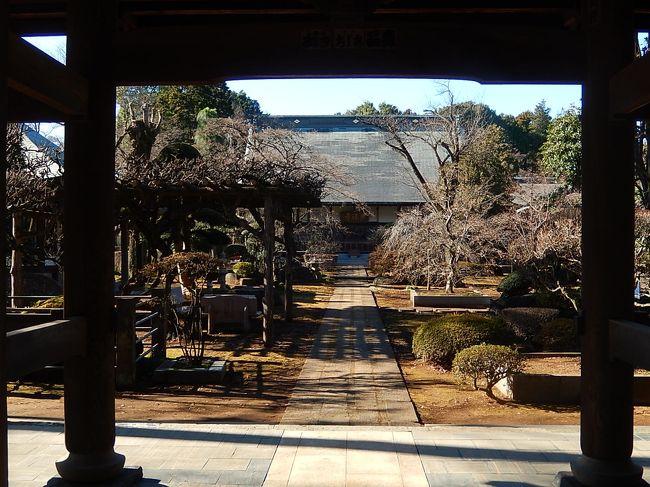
{"x":236,"y":250}
{"x":548,"y":299}
{"x":487,"y":363}
{"x":244,"y":269}
{"x":514,"y":284}
{"x":558,"y":335}
{"x":526,"y":322}
{"x":440,"y":339}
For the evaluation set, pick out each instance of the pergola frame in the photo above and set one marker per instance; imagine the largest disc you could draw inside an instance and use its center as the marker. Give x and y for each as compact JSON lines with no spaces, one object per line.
{"x":111,"y":42}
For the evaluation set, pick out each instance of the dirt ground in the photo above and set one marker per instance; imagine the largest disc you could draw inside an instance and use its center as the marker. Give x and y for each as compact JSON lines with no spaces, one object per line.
{"x":438,"y":396}
{"x":256,"y":391}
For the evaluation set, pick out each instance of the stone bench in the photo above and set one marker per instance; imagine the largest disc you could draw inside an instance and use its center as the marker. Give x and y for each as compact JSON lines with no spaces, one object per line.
{"x":229,"y":309}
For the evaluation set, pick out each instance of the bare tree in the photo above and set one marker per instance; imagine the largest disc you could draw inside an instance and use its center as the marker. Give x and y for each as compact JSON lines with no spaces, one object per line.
{"x":141,"y":131}
{"x":457,"y":140}
{"x":33,"y":175}
{"x":544,"y":239}
{"x":642,"y":164}
{"x":320,"y":233}
{"x":642,"y":242}
{"x":418,"y":246}
{"x":234,"y":156}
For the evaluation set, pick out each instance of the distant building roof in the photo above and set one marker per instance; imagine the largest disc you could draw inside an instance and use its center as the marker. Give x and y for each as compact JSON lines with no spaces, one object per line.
{"x":379,"y":174}
{"x":38,"y":146}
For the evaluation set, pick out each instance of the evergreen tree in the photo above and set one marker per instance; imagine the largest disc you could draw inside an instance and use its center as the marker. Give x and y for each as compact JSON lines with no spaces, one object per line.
{"x":562,"y":151}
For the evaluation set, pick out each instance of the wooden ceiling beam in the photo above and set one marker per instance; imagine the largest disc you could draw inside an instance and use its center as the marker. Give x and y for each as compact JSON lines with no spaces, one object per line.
{"x":219,"y":11}
{"x":56,"y":91}
{"x":380,"y":11}
{"x":203,"y":54}
{"x":630,"y":89}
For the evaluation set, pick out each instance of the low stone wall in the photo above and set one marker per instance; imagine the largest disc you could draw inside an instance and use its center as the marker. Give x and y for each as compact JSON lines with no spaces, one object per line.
{"x":559,"y":389}
{"x":449,"y":301}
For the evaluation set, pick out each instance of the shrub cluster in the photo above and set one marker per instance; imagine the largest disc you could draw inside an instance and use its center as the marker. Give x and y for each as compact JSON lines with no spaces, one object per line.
{"x":440,"y":339}
{"x":236,"y":250}
{"x":548,"y":299}
{"x":244,"y":269}
{"x":514,"y":284}
{"x":487,"y":363}
{"x":558,"y":335}
{"x":526,"y":322}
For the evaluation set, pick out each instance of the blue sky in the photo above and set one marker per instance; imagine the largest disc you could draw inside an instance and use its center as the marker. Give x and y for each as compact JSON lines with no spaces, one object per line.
{"x":329,"y":96}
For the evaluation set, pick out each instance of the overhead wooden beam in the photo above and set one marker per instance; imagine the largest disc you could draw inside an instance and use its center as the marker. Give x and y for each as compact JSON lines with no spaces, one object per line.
{"x":22,"y":108}
{"x":50,"y":85}
{"x":30,"y":349}
{"x":404,"y":49}
{"x":159,"y":11}
{"x":630,"y":89}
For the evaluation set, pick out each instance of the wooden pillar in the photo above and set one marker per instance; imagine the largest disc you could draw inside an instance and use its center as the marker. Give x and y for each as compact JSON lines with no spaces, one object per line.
{"x":290,"y":247}
{"x":138,"y":253}
{"x":125,"y":341}
{"x":89,"y":250}
{"x":608,"y":244}
{"x":4,"y":473}
{"x":269,"y":295}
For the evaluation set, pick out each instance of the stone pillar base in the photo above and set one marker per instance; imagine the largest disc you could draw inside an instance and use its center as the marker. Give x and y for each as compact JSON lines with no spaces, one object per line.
{"x":590,"y":472}
{"x":91,"y":467}
{"x":128,"y":478}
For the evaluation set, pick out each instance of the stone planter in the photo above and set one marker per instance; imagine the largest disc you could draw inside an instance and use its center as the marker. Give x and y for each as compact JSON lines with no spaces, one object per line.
{"x":449,"y":301}
{"x":169,"y":373}
{"x":559,"y":389}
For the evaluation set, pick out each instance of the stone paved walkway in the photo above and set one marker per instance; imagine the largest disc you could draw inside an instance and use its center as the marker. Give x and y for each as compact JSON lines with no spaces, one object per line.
{"x":351,"y":376}
{"x":200,"y":455}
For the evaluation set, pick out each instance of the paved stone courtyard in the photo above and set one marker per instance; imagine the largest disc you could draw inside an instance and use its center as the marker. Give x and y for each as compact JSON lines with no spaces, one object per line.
{"x":350,"y":422}
{"x":183,"y":454}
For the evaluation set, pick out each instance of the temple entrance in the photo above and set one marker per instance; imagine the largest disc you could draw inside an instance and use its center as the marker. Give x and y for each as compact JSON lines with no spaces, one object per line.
{"x":111,"y":43}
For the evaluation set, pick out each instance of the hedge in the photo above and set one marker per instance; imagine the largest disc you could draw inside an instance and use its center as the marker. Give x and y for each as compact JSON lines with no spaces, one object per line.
{"x":440,"y":339}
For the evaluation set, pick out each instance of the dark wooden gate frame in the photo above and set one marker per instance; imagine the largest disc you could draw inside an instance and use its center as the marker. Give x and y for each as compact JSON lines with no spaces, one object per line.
{"x":588,"y":42}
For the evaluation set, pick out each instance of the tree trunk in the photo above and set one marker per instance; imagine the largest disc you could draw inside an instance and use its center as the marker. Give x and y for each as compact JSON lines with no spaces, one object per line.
{"x":124,"y":253}
{"x":428,"y":269}
{"x":449,"y":285}
{"x":451,"y":259}
{"x":269,"y":245}
{"x":135,"y":253}
{"x":288,"y":268}
{"x":16,"y":272}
